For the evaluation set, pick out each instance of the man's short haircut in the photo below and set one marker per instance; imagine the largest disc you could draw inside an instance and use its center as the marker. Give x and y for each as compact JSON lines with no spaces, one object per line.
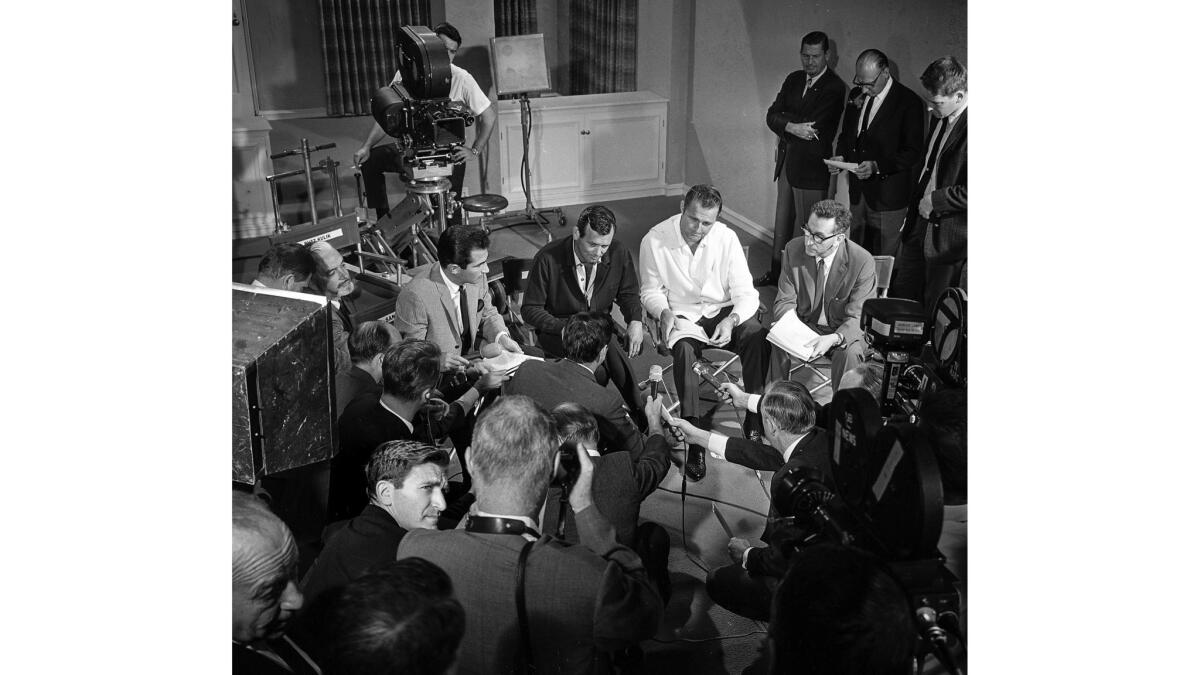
{"x":944,"y":420}
{"x":790,"y":405}
{"x":945,"y":76}
{"x":874,"y":56}
{"x":457,"y":242}
{"x":597,"y":217}
{"x":394,"y":460}
{"x":816,"y":38}
{"x":838,"y":610}
{"x":514,"y":443}
{"x":871,"y":374}
{"x":284,"y":259}
{"x":707,"y":195}
{"x":400,"y":618}
{"x":369,"y":339}
{"x":449,"y":31}
{"x":575,"y":423}
{"x":831,"y":208}
{"x":585,"y":334}
{"x":411,"y":367}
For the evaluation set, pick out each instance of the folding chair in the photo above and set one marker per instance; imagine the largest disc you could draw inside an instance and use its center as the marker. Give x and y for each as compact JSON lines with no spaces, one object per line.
{"x":516,"y":278}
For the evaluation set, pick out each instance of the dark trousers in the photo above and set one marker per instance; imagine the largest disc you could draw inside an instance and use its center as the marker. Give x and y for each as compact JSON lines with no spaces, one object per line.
{"x":840,"y":360}
{"x":734,"y":589}
{"x":616,"y":368}
{"x":385,"y":157}
{"x":749,"y":343}
{"x":877,"y":231}
{"x":918,"y":279}
{"x":792,"y":206}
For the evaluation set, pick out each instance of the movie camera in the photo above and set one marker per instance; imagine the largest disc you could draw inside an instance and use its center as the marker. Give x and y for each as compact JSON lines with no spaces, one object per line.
{"x":417,"y":110}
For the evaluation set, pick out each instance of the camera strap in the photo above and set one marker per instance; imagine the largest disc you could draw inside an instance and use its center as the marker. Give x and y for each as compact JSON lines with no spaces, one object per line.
{"x":525,"y":655}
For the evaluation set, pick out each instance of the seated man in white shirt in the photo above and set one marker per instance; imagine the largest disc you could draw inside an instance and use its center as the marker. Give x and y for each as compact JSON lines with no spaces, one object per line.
{"x":695,"y":281}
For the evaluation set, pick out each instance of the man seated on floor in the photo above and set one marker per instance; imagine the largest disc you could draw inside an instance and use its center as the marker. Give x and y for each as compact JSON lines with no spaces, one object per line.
{"x":285,"y":267}
{"x":333,"y":280}
{"x":588,"y":272}
{"x":367,"y":344}
{"x":620,"y":484}
{"x":838,"y":610}
{"x":581,"y":601}
{"x":410,"y":372}
{"x":265,"y":595}
{"x":825,"y":280}
{"x":586,"y":339}
{"x":402,"y":618}
{"x":695,"y":282}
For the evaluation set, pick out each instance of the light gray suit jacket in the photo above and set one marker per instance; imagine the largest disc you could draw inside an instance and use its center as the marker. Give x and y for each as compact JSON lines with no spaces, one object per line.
{"x":426,"y":311}
{"x":851,"y":282}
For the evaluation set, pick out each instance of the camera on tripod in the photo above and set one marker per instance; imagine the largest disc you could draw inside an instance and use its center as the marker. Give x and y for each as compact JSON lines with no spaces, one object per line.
{"x":417,"y":110}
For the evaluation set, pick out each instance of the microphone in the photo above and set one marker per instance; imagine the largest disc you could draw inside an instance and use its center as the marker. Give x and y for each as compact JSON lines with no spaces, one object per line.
{"x":927,"y":622}
{"x":656,"y":381}
{"x":705,"y":374}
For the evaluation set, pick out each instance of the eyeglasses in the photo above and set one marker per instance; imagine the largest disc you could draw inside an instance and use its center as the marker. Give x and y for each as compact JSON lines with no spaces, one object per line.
{"x":818,"y":238}
{"x":857,"y":83}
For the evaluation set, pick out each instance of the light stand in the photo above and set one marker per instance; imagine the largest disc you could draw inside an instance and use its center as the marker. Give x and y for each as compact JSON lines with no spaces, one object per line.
{"x":531,"y":215}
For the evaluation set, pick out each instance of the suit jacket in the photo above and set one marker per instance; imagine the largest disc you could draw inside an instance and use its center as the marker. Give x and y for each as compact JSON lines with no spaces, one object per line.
{"x":893,"y":141}
{"x":426,"y":311}
{"x":946,"y":238}
{"x":553,"y":293}
{"x":772,"y":560}
{"x":581,"y":599}
{"x":367,"y":540}
{"x":552,"y":382}
{"x":361,"y":428}
{"x":823,"y":106}
{"x":352,"y":384}
{"x":247,"y":661}
{"x":850,"y":281}
{"x":620,"y":483}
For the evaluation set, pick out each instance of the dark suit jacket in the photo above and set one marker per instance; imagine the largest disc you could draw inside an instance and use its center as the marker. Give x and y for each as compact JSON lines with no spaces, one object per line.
{"x":246,"y":661}
{"x":850,"y":282}
{"x":581,"y":599}
{"x":553,"y":293}
{"x":352,"y":384}
{"x":426,"y":311}
{"x":946,"y":241}
{"x":620,"y":484}
{"x":823,"y":105}
{"x":893,"y":141}
{"x":362,"y":427}
{"x":367,"y":540}
{"x":552,"y":382}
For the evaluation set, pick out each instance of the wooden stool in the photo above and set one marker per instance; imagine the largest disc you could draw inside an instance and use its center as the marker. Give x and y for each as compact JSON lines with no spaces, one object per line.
{"x":487,"y":204}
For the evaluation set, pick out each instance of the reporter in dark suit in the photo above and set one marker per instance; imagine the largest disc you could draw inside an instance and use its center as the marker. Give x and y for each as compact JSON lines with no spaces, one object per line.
{"x":588,"y":272}
{"x":367,"y":344}
{"x":805,"y":117}
{"x":582,"y":600}
{"x":881,"y":133}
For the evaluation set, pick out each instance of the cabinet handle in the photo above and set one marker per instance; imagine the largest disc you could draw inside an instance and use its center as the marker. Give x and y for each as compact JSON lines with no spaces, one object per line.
{"x":586,"y":132}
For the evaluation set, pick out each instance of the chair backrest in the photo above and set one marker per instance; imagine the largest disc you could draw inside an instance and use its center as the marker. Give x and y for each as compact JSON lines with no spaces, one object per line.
{"x":883,"y":274}
{"x":516,"y":273}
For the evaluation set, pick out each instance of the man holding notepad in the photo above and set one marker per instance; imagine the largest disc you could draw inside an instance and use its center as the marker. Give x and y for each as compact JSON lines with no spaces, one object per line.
{"x":824,"y":281}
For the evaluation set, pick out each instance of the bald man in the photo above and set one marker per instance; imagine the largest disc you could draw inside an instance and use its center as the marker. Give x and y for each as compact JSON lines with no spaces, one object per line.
{"x":265,"y":595}
{"x":333,"y":280}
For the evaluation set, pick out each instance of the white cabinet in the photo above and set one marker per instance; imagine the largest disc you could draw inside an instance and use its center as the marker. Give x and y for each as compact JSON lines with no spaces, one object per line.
{"x":585,"y":148}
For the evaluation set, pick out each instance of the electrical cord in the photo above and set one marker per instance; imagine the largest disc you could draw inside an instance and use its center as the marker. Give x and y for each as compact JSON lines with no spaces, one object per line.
{"x":719,"y":501}
{"x":711,"y":639}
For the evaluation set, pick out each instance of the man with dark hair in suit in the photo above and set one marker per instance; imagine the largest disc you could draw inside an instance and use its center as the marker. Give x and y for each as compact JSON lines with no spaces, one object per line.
{"x":285,"y":267}
{"x":805,"y":117}
{"x":838,"y":610}
{"x":934,"y":253}
{"x":410,"y":373}
{"x":265,"y":595}
{"x":586,"y":339}
{"x":402,"y":618}
{"x":881,"y":135}
{"x":581,"y":601}
{"x":588,"y":272}
{"x":826,"y":279}
{"x":367,"y":344}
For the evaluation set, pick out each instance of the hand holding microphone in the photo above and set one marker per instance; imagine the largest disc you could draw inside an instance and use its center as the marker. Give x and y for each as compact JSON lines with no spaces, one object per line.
{"x":656,"y":381}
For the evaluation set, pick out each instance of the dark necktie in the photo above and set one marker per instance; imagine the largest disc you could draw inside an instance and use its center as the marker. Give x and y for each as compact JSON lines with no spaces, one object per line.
{"x":807,"y":86}
{"x":466,"y":322}
{"x":818,"y":293}
{"x":931,"y":158}
{"x":866,"y":115}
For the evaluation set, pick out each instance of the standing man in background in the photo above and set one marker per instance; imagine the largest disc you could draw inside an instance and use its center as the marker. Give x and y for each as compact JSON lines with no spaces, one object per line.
{"x":805,"y":116}
{"x":881,"y":134}
{"x":373,"y":161}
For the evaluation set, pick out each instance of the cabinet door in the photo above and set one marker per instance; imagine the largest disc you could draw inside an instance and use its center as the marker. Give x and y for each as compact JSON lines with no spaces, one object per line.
{"x":554,"y":155}
{"x":625,"y":147}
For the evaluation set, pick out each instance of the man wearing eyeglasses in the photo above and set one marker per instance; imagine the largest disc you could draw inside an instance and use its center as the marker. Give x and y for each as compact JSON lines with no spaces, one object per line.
{"x":882,"y":135}
{"x":825,"y":280}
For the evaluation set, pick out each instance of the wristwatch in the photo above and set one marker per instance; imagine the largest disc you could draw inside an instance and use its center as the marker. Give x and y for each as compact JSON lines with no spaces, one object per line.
{"x":841,"y":341}
{"x":473,"y":151}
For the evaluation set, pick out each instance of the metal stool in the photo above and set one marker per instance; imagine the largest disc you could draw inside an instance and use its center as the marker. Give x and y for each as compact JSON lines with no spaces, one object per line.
{"x":487,"y":204}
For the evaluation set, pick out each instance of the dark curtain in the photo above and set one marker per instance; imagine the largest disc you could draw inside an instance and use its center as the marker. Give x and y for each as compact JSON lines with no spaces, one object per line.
{"x":358,"y":42}
{"x":515,"y":17}
{"x":603,"y":46}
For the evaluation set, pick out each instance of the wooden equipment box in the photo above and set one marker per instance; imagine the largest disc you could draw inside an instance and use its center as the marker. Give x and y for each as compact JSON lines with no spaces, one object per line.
{"x":282,"y":376}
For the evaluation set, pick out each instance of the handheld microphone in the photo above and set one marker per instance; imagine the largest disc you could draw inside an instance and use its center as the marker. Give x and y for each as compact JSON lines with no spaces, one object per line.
{"x":927,"y":622}
{"x":705,"y":375}
{"x":656,"y":381}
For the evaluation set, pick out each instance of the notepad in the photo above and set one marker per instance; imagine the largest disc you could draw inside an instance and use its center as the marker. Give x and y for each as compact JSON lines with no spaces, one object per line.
{"x":848,"y":166}
{"x":508,"y":362}
{"x":791,"y":334}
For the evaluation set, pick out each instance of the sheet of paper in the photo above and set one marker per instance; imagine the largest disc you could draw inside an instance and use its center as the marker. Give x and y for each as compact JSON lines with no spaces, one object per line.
{"x":508,"y":361}
{"x":790,"y":334}
{"x":848,"y":166}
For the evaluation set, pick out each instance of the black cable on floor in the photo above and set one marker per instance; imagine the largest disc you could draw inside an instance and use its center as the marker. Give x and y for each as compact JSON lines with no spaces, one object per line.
{"x":714,"y":499}
{"x":682,"y":525}
{"x":711,"y":639}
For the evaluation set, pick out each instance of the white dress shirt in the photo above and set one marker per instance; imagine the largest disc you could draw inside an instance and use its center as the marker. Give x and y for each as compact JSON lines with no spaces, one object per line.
{"x":828,"y":258}
{"x":398,"y":415}
{"x":874,"y":106}
{"x":456,"y":298}
{"x":463,"y":89}
{"x":950,"y":122}
{"x":586,"y":285}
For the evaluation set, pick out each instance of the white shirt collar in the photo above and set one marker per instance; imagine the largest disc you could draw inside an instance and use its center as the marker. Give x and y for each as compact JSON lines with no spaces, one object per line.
{"x":819,"y":75}
{"x":787,"y":453}
{"x":883,"y":94}
{"x":449,"y":284}
{"x":828,"y":257}
{"x":398,"y":415}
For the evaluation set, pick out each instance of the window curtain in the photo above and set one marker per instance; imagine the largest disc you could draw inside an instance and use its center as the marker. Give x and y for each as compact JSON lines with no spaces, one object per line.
{"x":358,"y":42}
{"x":515,"y":17}
{"x":603,"y":46}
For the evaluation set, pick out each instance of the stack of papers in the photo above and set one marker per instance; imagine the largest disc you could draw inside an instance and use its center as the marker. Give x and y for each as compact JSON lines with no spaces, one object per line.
{"x":508,"y":362}
{"x":790,"y":334}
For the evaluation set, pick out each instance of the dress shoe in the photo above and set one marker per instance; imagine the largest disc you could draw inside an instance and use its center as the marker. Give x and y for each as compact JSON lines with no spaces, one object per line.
{"x":694,"y":469}
{"x":765,"y":280}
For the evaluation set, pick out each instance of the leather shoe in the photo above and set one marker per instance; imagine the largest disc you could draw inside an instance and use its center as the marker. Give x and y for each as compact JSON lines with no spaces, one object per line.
{"x":764,"y":280}
{"x":694,"y":469}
